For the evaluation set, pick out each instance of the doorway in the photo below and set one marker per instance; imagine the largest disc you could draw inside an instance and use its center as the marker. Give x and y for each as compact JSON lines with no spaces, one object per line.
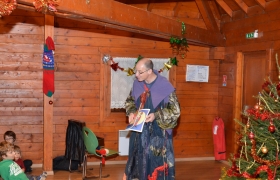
{"x":254,"y":73}
{"x":251,"y":70}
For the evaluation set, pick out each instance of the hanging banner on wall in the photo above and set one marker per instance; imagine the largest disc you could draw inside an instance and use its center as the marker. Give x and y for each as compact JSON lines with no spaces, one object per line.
{"x":197,"y":73}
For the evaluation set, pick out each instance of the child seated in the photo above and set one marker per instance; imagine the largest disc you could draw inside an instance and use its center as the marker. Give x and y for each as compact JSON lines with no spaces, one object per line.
{"x":18,"y":159}
{"x":10,"y":170}
{"x":10,"y":137}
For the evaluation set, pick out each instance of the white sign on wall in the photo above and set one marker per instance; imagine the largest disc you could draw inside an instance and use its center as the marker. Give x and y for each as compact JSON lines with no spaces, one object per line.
{"x":197,"y":73}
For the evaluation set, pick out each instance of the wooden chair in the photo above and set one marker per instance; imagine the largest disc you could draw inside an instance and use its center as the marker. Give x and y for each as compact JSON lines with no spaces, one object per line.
{"x":91,"y":143}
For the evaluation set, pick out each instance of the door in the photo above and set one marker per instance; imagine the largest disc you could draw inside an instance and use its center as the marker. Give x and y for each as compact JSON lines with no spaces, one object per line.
{"x":254,"y":73}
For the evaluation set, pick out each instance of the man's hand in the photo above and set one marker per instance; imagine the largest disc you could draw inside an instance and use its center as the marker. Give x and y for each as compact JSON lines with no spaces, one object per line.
{"x":131,"y":118}
{"x":150,"y":117}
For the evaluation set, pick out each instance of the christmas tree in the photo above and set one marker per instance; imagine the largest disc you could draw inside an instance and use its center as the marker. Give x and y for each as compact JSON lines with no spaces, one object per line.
{"x":259,"y":138}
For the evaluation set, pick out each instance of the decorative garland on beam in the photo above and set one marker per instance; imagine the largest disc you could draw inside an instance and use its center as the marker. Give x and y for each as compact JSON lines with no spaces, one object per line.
{"x":7,"y":7}
{"x":130,"y":71}
{"x":45,"y":5}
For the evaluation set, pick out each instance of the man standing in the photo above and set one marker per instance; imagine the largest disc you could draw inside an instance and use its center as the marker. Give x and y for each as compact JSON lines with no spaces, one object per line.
{"x":151,"y":154}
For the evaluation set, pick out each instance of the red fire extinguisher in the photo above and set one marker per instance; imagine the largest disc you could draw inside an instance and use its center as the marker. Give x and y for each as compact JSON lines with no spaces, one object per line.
{"x":219,"y":139}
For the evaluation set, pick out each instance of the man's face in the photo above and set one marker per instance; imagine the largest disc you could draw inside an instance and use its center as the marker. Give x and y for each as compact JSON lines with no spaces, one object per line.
{"x":141,"y":72}
{"x":17,"y":155}
{"x":9,"y":139}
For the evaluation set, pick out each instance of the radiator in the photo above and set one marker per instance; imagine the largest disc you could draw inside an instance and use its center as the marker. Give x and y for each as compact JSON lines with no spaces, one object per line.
{"x":123,"y":142}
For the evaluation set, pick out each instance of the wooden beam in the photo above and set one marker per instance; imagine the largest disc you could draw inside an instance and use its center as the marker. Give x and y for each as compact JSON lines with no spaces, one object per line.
{"x":242,"y":5}
{"x":225,"y":7}
{"x":237,"y":98}
{"x":176,"y":9}
{"x":121,"y":16}
{"x":207,"y":15}
{"x":150,"y":5}
{"x":48,"y":111}
{"x":217,"y":53}
{"x":215,"y":9}
{"x":262,"y":3}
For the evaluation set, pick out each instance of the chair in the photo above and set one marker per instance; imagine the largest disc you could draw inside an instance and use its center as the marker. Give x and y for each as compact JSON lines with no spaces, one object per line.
{"x":91,"y":143}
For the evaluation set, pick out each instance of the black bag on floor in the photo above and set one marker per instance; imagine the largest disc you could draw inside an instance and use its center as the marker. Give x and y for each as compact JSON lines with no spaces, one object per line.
{"x":62,"y":163}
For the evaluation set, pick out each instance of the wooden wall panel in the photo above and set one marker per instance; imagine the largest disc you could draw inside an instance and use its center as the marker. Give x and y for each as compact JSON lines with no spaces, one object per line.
{"x":21,"y":106}
{"x":267,"y":25}
{"x":78,"y":71}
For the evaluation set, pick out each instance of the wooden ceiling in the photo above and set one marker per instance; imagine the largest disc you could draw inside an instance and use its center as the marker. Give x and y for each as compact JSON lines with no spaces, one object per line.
{"x":162,"y":18}
{"x":207,"y":14}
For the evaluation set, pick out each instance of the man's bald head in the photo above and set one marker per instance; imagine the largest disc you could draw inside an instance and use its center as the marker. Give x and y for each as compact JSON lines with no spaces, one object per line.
{"x":146,"y":62}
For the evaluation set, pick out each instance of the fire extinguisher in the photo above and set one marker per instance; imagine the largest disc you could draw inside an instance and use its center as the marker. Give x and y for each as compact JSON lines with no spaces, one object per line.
{"x":219,"y":139}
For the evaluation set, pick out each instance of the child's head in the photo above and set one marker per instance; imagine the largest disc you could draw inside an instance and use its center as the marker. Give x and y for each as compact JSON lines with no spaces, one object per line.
{"x":10,"y":137}
{"x":17,"y":152}
{"x":7,"y":150}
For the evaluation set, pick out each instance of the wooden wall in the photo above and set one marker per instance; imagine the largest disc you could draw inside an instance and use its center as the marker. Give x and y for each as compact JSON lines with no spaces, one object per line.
{"x":235,"y":30}
{"x":21,"y":107}
{"x":81,"y":84}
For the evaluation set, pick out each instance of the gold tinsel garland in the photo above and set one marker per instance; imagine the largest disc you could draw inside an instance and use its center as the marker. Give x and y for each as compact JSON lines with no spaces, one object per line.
{"x":130,"y":71}
{"x":7,"y":7}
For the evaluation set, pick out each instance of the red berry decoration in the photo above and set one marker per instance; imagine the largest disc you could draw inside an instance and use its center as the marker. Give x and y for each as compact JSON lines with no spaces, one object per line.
{"x":271,"y":128}
{"x":251,"y":135}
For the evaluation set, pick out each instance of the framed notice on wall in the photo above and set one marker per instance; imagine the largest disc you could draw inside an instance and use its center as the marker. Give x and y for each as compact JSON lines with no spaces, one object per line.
{"x":197,"y":73}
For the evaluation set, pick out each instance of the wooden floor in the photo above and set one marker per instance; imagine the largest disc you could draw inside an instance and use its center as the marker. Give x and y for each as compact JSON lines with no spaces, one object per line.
{"x":186,"y":170}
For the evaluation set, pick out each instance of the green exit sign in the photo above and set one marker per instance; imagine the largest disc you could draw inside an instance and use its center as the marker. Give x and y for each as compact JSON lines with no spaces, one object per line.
{"x":250,"y":35}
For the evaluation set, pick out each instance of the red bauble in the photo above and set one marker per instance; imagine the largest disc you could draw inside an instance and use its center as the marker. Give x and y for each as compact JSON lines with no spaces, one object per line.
{"x":251,"y":135}
{"x":271,"y":128}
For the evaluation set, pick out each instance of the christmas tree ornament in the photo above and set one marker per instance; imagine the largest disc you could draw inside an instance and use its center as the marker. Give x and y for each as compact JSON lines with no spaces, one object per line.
{"x":114,"y":66}
{"x":256,"y":106}
{"x":271,"y":128}
{"x":167,"y":66}
{"x":106,"y":58}
{"x":251,"y":135}
{"x":248,"y":125}
{"x":129,"y":71}
{"x":264,"y":150}
{"x":7,"y":7}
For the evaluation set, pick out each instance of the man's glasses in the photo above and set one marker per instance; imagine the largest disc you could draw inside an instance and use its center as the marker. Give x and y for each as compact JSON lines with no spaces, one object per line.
{"x":141,"y":72}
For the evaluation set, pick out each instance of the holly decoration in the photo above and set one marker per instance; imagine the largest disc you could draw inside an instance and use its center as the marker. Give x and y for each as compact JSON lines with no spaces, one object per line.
{"x":7,"y":7}
{"x":138,"y":58}
{"x":174,"y":61}
{"x":179,"y":45}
